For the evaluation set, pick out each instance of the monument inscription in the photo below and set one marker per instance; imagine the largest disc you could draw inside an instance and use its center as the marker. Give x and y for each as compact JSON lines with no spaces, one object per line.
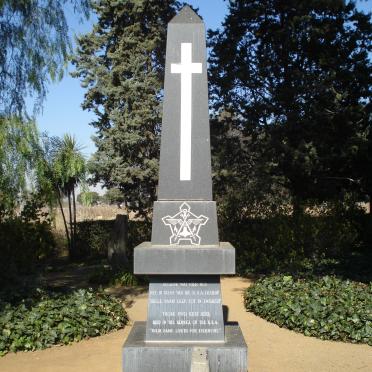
{"x":185,"y":308}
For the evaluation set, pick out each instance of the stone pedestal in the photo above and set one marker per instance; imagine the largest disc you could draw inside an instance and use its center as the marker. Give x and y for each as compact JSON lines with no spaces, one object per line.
{"x":185,"y":315}
{"x":142,"y":356}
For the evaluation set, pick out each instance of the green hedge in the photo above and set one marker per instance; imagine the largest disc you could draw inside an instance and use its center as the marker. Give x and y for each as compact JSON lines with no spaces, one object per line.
{"x":282,"y":243}
{"x":25,"y":240}
{"x":50,"y":319}
{"x":93,"y":237}
{"x":326,"y":307}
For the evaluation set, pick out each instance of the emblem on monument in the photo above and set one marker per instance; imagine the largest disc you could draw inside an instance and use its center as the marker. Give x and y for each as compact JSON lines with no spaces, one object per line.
{"x":185,"y":225}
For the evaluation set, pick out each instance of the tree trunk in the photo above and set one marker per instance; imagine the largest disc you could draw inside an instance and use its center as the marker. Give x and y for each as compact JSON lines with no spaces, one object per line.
{"x":74,"y":211}
{"x":72,"y":243}
{"x":118,"y":244}
{"x":64,"y":220}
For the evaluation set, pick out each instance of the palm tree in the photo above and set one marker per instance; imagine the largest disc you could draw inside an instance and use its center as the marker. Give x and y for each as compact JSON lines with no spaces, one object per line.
{"x":69,"y":168}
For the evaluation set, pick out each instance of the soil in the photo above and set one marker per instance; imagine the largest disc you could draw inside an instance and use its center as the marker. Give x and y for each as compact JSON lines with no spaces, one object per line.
{"x":270,"y":348}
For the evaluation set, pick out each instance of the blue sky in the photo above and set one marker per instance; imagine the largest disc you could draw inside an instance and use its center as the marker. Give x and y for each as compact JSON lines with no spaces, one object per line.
{"x":62,"y":111}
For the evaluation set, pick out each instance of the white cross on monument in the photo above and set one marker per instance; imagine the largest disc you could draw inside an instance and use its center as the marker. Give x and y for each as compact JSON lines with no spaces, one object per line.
{"x":186,"y":68}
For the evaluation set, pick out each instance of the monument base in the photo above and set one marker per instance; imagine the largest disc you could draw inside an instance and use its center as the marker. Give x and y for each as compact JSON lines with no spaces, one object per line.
{"x":142,"y":356}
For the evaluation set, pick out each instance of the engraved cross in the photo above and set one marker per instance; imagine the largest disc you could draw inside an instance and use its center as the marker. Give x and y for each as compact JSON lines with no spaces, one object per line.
{"x":186,"y":68}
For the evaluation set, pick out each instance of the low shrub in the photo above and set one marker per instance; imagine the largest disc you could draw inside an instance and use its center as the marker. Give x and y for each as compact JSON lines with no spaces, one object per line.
{"x":108,"y":276}
{"x":126,"y":278}
{"x":49,"y":319}
{"x":103,"y":276}
{"x":139,"y":231}
{"x":283,"y":243}
{"x":93,"y":237}
{"x":25,"y":240}
{"x":326,"y":307}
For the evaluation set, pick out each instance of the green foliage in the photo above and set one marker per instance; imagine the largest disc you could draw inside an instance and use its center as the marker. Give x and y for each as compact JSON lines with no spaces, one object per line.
{"x":52,"y":319}
{"x":281,"y":242}
{"x":121,"y":64}
{"x":34,"y":46}
{"x":88,"y":198}
{"x":18,"y":157}
{"x":68,"y":169}
{"x":92,"y":238}
{"x":138,"y":232}
{"x":126,"y":278}
{"x":25,"y":241}
{"x":114,"y":196}
{"x":69,"y":165}
{"x":291,"y":95}
{"x":103,"y":276}
{"x":326,"y":307}
{"x":108,"y":276}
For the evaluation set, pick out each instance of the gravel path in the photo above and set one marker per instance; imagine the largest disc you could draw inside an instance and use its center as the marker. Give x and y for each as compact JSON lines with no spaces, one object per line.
{"x":271,"y":349}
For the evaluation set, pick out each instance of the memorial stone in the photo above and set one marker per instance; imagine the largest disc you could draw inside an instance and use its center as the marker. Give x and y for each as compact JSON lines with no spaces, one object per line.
{"x":185,"y":259}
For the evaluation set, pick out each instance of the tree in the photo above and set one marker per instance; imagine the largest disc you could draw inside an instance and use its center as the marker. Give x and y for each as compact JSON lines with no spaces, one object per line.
{"x":295,"y":79}
{"x":34,"y":46}
{"x":18,"y":150}
{"x":88,"y":198}
{"x":121,"y":64}
{"x":68,"y":169}
{"x":114,"y":196}
{"x":26,"y":165}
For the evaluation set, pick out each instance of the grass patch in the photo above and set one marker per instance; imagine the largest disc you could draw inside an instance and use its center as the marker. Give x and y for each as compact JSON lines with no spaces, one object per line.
{"x":328,"y":308}
{"x":47,"y":319}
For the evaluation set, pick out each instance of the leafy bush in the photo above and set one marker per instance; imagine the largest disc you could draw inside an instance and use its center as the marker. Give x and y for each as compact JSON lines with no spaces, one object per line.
{"x":126,"y":278}
{"x":285,"y":243}
{"x":138,"y":232}
{"x":326,"y":307}
{"x":93,"y":237}
{"x":103,"y":276}
{"x":25,"y":240}
{"x":51,"y":319}
{"x":108,"y":276}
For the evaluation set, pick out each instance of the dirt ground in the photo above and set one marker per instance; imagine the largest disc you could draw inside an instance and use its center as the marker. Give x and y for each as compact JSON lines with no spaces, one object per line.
{"x":270,"y":348}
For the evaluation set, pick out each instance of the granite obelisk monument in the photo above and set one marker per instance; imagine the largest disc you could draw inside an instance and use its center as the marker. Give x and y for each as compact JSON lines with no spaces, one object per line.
{"x":185,"y":258}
